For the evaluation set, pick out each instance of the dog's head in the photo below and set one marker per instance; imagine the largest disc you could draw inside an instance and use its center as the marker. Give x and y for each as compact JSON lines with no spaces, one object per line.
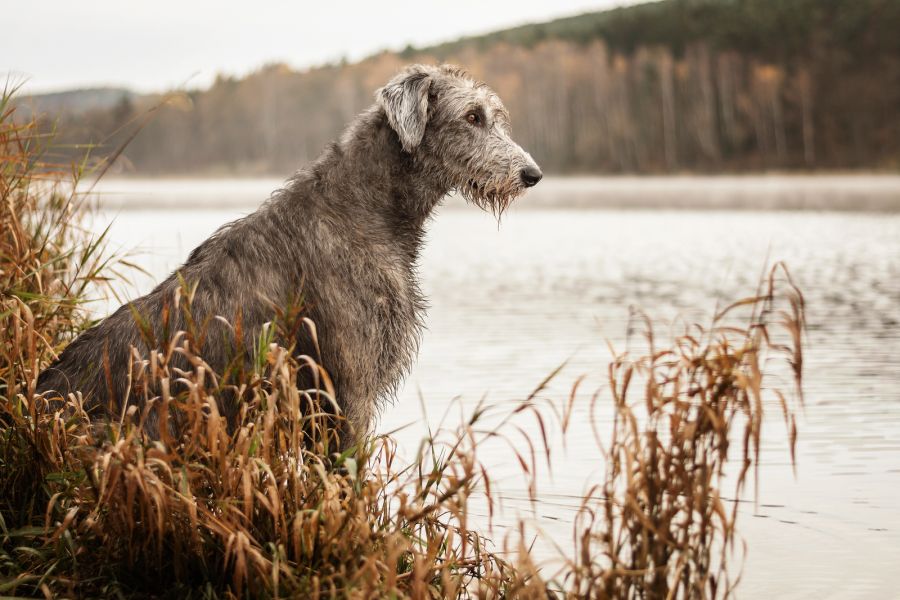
{"x":459,"y":130}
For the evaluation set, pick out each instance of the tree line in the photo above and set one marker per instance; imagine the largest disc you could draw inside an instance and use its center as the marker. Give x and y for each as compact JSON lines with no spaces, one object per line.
{"x":677,"y":85}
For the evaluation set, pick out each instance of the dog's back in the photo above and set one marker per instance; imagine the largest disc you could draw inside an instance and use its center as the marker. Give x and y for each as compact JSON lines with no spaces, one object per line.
{"x":227,"y":276}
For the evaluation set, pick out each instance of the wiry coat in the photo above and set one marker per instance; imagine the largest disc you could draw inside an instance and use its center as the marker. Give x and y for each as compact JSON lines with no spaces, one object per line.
{"x":344,"y":233}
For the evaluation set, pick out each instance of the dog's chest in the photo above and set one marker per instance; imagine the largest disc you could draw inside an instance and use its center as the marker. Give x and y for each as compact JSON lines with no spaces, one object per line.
{"x":393,"y":302}
{"x":372,"y":306}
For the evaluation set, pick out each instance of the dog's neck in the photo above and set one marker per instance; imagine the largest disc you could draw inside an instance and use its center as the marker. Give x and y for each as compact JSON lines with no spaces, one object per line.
{"x":367,"y":171}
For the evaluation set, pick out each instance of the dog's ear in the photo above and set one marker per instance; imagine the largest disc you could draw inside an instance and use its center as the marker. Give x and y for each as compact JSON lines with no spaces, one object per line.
{"x":405,"y":102}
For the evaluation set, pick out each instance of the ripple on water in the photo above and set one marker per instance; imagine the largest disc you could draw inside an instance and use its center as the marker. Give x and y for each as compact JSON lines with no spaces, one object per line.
{"x":510,"y":304}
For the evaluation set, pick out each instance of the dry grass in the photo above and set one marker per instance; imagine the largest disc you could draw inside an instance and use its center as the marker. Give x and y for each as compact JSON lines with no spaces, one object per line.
{"x":659,"y":526}
{"x":265,"y":507}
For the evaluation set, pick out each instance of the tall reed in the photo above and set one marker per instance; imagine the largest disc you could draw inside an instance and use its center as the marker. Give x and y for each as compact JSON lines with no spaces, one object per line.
{"x":660,"y":525}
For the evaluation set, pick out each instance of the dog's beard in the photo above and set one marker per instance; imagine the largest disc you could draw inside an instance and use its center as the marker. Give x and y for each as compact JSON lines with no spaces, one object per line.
{"x":492,"y":194}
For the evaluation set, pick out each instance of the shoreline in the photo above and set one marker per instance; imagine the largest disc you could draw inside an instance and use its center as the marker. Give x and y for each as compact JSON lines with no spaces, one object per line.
{"x":841,"y":192}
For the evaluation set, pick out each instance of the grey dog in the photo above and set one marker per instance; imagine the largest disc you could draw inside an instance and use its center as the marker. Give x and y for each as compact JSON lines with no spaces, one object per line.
{"x":345,"y":232}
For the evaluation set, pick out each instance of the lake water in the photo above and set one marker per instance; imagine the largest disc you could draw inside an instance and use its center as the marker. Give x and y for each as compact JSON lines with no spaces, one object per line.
{"x":555,"y":281}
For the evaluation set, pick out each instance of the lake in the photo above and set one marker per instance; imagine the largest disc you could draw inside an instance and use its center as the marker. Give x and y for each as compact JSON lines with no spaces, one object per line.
{"x":556,"y":279}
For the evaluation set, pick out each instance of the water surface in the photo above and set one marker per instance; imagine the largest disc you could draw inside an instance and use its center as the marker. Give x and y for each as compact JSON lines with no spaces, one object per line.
{"x":557,"y":279}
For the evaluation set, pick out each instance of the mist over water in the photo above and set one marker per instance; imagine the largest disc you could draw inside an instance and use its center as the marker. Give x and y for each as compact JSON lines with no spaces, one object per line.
{"x":558,"y":278}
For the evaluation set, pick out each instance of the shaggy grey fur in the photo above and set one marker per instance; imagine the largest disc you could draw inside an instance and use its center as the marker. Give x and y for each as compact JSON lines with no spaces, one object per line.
{"x":345,"y":232}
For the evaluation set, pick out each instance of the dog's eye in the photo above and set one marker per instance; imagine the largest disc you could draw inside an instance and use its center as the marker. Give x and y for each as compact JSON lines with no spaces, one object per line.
{"x":473,"y":118}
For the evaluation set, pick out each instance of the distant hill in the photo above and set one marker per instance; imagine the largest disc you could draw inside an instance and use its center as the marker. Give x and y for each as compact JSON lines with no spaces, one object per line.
{"x":770,"y":29}
{"x":79,"y":100}
{"x":669,"y":86}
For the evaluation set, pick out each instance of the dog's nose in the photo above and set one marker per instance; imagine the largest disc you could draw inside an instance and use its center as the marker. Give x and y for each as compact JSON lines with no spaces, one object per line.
{"x":530,"y":176}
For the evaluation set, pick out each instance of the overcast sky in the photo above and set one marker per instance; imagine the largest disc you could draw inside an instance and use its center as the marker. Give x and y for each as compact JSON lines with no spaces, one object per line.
{"x":154,"y":45}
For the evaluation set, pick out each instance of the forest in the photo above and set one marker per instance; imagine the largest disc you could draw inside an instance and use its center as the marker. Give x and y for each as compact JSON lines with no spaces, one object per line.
{"x":661,"y":87}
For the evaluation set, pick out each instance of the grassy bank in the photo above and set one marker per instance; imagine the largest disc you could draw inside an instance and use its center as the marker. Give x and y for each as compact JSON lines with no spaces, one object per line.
{"x":265,"y":507}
